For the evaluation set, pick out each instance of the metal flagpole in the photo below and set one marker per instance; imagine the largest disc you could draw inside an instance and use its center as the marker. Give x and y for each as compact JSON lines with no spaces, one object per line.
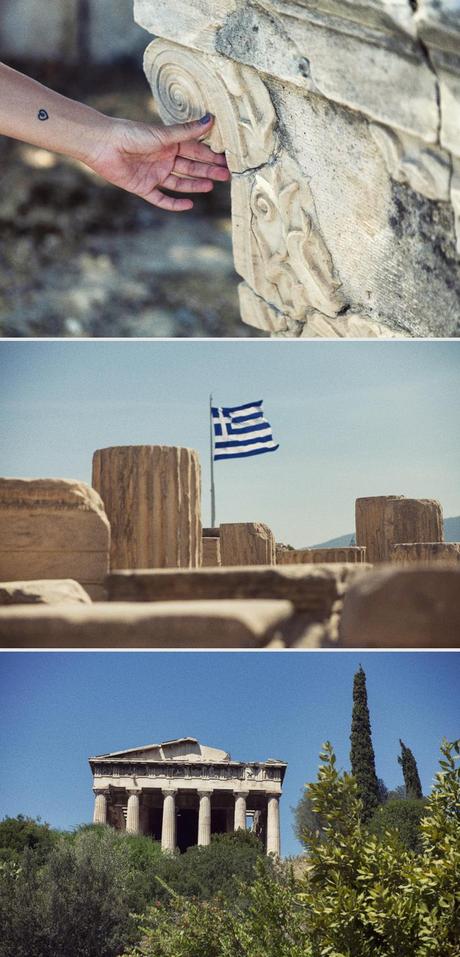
{"x":211,"y":446}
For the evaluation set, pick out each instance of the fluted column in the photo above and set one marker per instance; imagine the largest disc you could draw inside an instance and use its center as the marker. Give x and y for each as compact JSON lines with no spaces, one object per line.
{"x":152,"y":496}
{"x":132,"y":817}
{"x":204,"y":818}
{"x":100,"y":806}
{"x":240,"y":809}
{"x":168,"y":827}
{"x":273,"y":825}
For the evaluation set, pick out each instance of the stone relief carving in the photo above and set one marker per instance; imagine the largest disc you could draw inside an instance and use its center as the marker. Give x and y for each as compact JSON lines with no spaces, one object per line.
{"x":283,"y":255}
{"x":426,"y":169}
{"x":186,"y":85}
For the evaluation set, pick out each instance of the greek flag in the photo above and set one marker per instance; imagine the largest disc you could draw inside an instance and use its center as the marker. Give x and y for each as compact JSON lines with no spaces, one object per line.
{"x":241,"y":431}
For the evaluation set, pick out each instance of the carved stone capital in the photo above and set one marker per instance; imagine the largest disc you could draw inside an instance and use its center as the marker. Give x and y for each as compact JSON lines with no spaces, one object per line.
{"x":169,"y":792}
{"x":186,"y":85}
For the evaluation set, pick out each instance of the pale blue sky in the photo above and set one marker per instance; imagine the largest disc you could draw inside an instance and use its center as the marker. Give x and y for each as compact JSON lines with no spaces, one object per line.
{"x":57,"y":709}
{"x":352,"y":419}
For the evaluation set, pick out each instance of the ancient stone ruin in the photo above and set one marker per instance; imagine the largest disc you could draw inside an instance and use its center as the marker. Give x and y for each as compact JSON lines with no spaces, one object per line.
{"x":53,"y":528}
{"x":247,"y":543}
{"x":182,"y":792}
{"x":386,"y":520}
{"x":166,"y":583}
{"x":341,"y":127}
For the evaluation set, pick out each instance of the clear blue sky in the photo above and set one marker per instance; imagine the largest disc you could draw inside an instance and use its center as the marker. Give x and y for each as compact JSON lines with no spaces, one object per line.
{"x":352,"y":418}
{"x":57,"y":709}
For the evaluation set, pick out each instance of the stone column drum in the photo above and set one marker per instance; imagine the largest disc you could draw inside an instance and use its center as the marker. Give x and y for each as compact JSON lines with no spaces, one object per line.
{"x":204,"y":818}
{"x":152,"y":495}
{"x":168,"y":829}
{"x":240,"y":809}
{"x":426,"y":552}
{"x":384,"y":520}
{"x":273,"y":826}
{"x":211,"y":552}
{"x":247,"y":543}
{"x":132,"y":816}
{"x":100,"y":807}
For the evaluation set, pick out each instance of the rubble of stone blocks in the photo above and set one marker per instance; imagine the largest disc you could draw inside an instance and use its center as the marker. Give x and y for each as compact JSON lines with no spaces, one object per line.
{"x":174,"y":584}
{"x":341,"y":127}
{"x":53,"y":528}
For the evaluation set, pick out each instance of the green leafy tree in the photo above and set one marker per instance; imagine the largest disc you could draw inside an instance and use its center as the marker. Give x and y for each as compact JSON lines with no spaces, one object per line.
{"x":362,"y":752}
{"x":19,"y":833}
{"x":410,"y":772}
{"x":403,"y":816}
{"x":227,"y":866}
{"x":368,"y":895}
{"x":305,"y":819}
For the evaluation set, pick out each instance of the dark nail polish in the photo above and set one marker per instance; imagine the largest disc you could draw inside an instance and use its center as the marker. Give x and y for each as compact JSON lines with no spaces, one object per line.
{"x":205,"y":118}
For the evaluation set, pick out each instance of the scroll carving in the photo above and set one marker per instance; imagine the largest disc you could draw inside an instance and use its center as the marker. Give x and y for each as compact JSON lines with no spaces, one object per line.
{"x":278,"y":246}
{"x":426,"y":169}
{"x":285,"y":259}
{"x":186,"y":85}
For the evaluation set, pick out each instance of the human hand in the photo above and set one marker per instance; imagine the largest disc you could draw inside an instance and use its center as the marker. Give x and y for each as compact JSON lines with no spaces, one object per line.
{"x":144,"y":159}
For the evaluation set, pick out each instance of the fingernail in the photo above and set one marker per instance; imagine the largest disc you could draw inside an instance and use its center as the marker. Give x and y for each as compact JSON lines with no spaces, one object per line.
{"x":205,"y":119}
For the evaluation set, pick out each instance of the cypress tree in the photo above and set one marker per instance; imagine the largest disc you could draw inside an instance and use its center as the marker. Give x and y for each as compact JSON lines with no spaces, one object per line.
{"x":410,"y":772}
{"x":362,"y":752}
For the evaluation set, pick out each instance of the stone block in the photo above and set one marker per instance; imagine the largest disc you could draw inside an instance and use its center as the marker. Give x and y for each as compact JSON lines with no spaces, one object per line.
{"x":46,"y":592}
{"x":152,"y":495}
{"x":53,"y":528}
{"x":247,"y":543}
{"x":411,"y":607}
{"x":199,"y":624}
{"x":385,"y":520}
{"x":446,"y":552}
{"x":311,"y":588}
{"x":345,"y":211}
{"x":211,"y":552}
{"x":351,"y":554}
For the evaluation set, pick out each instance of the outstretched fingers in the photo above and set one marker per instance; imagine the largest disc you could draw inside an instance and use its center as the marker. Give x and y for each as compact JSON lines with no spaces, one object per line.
{"x":156,"y":198}
{"x":182,"y":185}
{"x":193,"y":168}
{"x":196,"y":150}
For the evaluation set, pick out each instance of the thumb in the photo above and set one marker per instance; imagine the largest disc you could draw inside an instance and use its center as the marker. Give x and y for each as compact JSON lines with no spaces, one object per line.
{"x":180,"y":132}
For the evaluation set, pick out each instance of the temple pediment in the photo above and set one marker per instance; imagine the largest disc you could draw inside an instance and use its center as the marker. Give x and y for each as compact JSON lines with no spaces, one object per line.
{"x":179,"y":749}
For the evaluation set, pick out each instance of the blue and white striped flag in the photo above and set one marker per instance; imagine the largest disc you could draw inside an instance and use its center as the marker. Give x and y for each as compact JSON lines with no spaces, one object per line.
{"x":241,"y":431}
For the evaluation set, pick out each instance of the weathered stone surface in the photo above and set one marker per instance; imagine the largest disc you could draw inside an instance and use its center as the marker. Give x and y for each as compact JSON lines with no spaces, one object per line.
{"x":247,"y":543}
{"x":310,"y":588}
{"x":53,"y":528}
{"x":211,"y":552}
{"x":46,"y":592}
{"x":345,"y":207}
{"x":385,"y":520}
{"x":426,"y":552}
{"x":198,"y":624}
{"x":352,"y":554}
{"x":412,"y":607}
{"x":152,"y":497}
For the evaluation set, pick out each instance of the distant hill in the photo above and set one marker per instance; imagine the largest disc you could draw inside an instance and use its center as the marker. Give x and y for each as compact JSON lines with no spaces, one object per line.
{"x":451,"y":534}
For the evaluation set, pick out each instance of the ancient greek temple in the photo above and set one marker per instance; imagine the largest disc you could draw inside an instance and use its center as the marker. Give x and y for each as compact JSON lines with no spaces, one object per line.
{"x":182,"y":792}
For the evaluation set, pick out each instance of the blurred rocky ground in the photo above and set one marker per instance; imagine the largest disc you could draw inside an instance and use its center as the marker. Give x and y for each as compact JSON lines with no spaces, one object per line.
{"x":79,"y":257}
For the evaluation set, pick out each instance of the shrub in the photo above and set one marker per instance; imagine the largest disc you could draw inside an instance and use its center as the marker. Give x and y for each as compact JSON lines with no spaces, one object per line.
{"x":403,"y":816}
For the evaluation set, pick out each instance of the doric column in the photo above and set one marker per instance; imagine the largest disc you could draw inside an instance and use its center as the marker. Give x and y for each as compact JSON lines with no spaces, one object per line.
{"x":168,"y":827}
{"x":152,"y":496}
{"x":240,"y":809}
{"x":386,"y":520}
{"x":273,"y":825}
{"x":100,"y":806}
{"x":132,"y":817}
{"x":204,"y":818}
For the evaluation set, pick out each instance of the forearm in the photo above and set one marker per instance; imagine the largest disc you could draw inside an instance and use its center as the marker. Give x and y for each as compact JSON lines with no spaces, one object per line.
{"x":31,"y":112}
